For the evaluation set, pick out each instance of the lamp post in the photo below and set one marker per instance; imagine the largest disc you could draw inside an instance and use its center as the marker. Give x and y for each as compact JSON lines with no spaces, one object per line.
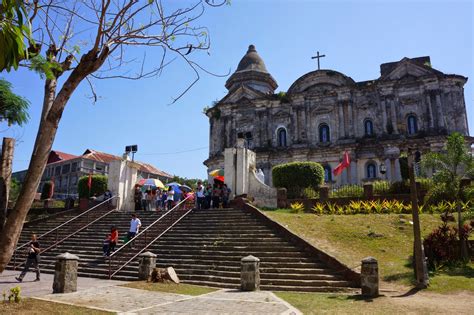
{"x":383,"y":169}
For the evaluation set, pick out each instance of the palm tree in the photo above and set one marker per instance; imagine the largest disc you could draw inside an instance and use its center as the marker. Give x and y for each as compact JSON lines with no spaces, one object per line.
{"x":451,"y":166}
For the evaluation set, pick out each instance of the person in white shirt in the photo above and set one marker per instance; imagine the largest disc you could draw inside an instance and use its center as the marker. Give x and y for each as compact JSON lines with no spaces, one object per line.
{"x":200,"y":197}
{"x":135,"y":225}
{"x":170,"y":198}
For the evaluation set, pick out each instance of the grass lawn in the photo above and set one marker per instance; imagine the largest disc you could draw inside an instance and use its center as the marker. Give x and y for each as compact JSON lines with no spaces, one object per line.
{"x":33,"y":306}
{"x":181,"y":288}
{"x":314,"y":303}
{"x":387,"y":237}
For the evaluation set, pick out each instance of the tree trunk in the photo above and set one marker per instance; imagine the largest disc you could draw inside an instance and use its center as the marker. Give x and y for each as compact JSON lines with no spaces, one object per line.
{"x":5,"y":178}
{"x":53,"y":107}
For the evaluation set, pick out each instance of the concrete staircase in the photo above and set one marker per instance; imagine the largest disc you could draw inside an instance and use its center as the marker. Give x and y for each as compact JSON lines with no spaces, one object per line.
{"x":205,"y":248}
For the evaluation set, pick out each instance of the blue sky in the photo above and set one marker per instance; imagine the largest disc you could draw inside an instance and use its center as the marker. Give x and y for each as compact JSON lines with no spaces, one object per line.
{"x":356,"y":36}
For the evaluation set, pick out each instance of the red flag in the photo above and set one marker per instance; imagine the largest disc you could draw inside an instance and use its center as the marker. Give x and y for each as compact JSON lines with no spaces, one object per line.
{"x":346,"y":161}
{"x":89,"y":182}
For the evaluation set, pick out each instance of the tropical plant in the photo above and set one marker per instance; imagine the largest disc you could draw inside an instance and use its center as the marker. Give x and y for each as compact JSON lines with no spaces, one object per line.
{"x":450,"y":166}
{"x":297,"y":207}
{"x":318,"y":208}
{"x":15,"y":29}
{"x":13,"y":108}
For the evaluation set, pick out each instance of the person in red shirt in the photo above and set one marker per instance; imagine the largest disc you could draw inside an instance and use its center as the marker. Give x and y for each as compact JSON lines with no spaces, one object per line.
{"x":113,"y":239}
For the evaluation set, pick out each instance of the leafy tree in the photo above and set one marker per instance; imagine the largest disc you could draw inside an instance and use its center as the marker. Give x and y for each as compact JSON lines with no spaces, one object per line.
{"x":15,"y":187}
{"x":297,"y":176}
{"x":86,"y":40}
{"x":14,"y":31}
{"x":451,"y":165}
{"x":98,"y":187}
{"x":191,"y":182}
{"x":13,"y":108}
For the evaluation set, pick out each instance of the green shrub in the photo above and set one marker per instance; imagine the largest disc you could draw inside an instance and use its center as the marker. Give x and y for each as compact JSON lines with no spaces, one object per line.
{"x":437,"y":194}
{"x":45,"y":192}
{"x":297,"y":176}
{"x":425,"y":183}
{"x":400,"y":187}
{"x":468,"y":192}
{"x":354,"y":191}
{"x":99,"y":186}
{"x":381,"y":187}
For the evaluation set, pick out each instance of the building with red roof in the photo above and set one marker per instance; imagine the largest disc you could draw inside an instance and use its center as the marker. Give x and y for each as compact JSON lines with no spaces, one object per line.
{"x":66,"y":169}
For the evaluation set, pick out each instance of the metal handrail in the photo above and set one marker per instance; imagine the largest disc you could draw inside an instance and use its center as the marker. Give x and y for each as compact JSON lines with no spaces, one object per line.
{"x":175,"y":208}
{"x":61,"y":225}
{"x":70,"y":220}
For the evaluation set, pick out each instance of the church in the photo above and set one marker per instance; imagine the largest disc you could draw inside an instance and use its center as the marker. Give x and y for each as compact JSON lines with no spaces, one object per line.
{"x":326,"y":113}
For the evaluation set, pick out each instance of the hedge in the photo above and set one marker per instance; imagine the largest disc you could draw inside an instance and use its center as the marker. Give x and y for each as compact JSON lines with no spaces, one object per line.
{"x":297,"y":176}
{"x":99,"y":186}
{"x":46,"y":190}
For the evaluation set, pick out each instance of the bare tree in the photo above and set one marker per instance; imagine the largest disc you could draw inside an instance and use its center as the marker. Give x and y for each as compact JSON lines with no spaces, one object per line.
{"x":108,"y":31}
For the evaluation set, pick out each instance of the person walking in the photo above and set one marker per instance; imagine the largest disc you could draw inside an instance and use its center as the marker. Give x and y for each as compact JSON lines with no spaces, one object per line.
{"x":138,"y":198}
{"x":170,"y":198}
{"x":114,"y":236}
{"x":135,"y":225}
{"x":208,"y":196}
{"x":225,"y":196}
{"x":149,"y":200}
{"x":216,"y":196}
{"x":200,"y":196}
{"x":32,"y":260}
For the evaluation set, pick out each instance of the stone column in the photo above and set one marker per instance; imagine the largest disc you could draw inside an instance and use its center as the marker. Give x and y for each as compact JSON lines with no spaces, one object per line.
{"x":350,"y":120}
{"x":65,"y":273}
{"x":250,"y":274}
{"x":369,"y":277}
{"x":384,"y":116}
{"x":430,"y":111}
{"x":341,"y":121}
{"x":440,"y":111}
{"x":323,"y":193}
{"x":394,"y":116}
{"x":147,"y":264}
{"x":368,"y":191}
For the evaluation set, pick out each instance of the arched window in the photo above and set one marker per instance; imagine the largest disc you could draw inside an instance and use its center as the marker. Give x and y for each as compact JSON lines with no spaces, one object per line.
{"x":324,"y":135}
{"x":327,"y":173}
{"x":371,"y":170}
{"x":368,"y":128}
{"x":412,"y":125}
{"x":281,"y":134}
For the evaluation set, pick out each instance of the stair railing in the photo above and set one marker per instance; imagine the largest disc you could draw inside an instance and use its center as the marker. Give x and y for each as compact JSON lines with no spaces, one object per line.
{"x":131,"y":253}
{"x":68,"y":222}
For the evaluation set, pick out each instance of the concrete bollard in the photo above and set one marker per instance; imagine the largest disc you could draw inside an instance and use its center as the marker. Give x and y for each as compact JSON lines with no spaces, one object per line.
{"x":65,"y":273}
{"x":369,"y":277}
{"x":147,"y":264}
{"x":250,"y":274}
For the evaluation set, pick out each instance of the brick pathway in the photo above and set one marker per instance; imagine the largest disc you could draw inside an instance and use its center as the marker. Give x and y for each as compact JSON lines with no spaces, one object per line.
{"x":125,"y":300}
{"x":109,"y":296}
{"x":45,"y":286}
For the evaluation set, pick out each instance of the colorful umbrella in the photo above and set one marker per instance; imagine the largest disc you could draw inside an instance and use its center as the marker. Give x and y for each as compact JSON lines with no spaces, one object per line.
{"x":185,"y":188}
{"x":151,"y":182}
{"x":217,"y":172}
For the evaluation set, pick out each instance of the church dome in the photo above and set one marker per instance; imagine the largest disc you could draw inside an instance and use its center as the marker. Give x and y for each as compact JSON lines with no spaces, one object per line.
{"x":317,"y":79}
{"x":253,"y":73}
{"x":251,"y":61}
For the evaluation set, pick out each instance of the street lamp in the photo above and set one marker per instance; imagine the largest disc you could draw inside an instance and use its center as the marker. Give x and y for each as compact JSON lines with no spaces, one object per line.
{"x":131,"y":149}
{"x":383,"y":169}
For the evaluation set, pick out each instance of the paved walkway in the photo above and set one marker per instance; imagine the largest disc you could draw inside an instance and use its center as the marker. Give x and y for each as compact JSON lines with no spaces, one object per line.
{"x":29,"y":288}
{"x":107,"y":295}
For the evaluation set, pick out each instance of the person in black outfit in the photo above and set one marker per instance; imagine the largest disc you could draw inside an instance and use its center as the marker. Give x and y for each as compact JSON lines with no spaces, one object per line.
{"x":32,"y":260}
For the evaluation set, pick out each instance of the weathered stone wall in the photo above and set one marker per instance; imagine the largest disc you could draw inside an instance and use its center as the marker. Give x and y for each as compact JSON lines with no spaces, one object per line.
{"x":329,"y":97}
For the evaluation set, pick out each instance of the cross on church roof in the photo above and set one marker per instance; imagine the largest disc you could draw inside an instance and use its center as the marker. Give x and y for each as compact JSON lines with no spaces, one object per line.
{"x":317,"y":57}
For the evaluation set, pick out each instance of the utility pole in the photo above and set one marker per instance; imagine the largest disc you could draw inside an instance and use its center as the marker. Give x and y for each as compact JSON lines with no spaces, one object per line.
{"x":421,"y":273}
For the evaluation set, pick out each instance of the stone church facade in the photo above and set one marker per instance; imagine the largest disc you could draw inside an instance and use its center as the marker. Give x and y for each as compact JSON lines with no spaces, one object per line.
{"x":325,"y":113}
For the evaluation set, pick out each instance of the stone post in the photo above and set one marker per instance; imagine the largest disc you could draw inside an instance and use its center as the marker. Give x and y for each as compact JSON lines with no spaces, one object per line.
{"x":250,"y":274}
{"x":65,"y":273}
{"x":369,"y":277}
{"x":368,"y":191}
{"x":147,"y":264}
{"x":323,"y":193}
{"x":282,"y":198}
